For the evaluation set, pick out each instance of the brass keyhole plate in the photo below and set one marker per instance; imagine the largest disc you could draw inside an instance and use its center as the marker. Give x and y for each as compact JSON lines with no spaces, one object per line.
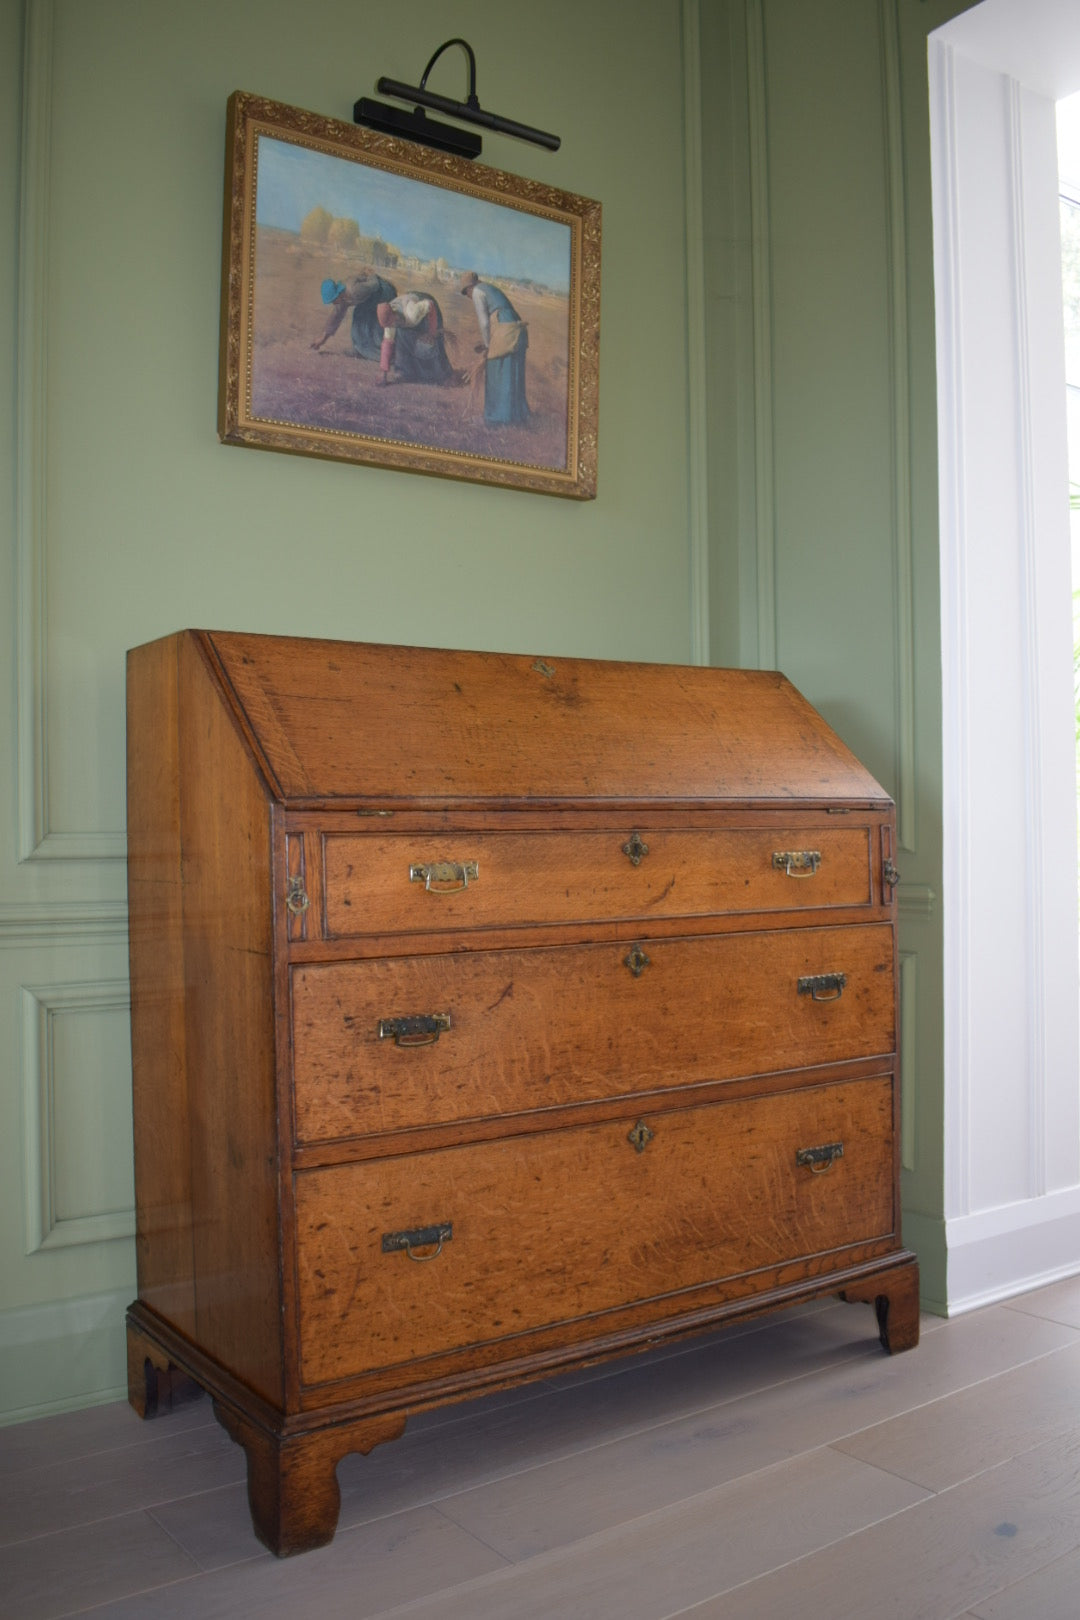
{"x":635,"y":849}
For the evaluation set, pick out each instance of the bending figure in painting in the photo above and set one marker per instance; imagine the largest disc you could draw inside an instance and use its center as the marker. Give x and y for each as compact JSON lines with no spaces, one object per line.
{"x":362,"y":294}
{"x":504,"y":340}
{"x":413,"y":341}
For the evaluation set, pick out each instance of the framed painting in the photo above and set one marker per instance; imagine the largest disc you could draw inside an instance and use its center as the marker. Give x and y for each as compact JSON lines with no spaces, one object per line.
{"x":386,"y":303}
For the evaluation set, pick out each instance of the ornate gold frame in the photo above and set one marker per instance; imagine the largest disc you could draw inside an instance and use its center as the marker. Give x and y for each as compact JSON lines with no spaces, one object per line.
{"x":250,"y":118}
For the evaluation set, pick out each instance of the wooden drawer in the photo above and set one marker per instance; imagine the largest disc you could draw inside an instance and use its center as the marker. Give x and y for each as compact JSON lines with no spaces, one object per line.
{"x":493,"y":879}
{"x":534,"y":1029}
{"x":573,"y":1223}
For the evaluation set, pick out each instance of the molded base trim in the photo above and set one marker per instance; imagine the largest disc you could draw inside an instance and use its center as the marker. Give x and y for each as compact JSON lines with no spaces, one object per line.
{"x":999,"y":1253}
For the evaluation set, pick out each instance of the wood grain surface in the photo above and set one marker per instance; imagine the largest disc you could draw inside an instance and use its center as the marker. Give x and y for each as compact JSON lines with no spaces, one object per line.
{"x":594,"y":1063}
{"x":578,"y":1221}
{"x":573,"y":876}
{"x":535,"y":1029}
{"x":344,"y":720}
{"x":161,"y":1097}
{"x":229,"y":1039}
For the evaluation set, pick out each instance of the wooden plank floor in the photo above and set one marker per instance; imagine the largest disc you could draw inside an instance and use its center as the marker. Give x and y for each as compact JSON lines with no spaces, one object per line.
{"x":788,"y":1467}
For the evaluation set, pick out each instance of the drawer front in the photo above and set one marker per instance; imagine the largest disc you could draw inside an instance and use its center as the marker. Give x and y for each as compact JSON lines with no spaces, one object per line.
{"x":500,"y":1032}
{"x":567,"y":1224}
{"x":414,"y":884}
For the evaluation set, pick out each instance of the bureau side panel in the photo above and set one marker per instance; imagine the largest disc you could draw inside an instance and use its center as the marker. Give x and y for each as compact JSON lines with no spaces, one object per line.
{"x":228,"y":926}
{"x":155,"y":916}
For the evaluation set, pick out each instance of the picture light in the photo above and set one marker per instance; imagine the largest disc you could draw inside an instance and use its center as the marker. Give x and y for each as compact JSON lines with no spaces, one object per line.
{"x":416,"y":126}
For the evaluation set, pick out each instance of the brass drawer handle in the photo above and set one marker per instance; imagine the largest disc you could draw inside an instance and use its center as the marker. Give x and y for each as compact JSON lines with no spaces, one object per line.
{"x":823,"y":986}
{"x":797,"y":863}
{"x":445,"y":877}
{"x":820,"y":1159}
{"x":417,"y":1030}
{"x":421,"y":1237}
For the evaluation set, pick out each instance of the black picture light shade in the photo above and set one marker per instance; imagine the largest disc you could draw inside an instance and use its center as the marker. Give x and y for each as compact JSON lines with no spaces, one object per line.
{"x":416,"y":126}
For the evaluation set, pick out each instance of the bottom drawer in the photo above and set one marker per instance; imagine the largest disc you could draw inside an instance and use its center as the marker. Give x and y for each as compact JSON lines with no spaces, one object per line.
{"x":561,"y":1226}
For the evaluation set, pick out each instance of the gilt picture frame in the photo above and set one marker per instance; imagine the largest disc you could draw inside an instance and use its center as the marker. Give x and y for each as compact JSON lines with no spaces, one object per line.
{"x":389,"y":304}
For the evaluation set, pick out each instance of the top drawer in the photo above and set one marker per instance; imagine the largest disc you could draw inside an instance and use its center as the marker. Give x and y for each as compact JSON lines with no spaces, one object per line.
{"x":416,"y":883}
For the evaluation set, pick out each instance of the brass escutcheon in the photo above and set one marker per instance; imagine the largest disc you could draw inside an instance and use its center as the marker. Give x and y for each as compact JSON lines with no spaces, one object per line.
{"x":295,"y":899}
{"x":639,"y":1137}
{"x":635,"y":849}
{"x":636,"y":961}
{"x":890,"y":874}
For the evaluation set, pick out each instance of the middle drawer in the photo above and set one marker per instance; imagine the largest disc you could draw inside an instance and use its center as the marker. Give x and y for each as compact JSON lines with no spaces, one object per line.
{"x":393,"y":1043}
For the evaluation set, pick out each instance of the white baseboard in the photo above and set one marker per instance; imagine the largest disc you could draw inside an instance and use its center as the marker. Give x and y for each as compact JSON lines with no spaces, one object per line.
{"x":999,"y":1253}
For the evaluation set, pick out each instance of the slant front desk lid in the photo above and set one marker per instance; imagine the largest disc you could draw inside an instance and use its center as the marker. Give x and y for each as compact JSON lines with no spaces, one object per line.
{"x":342,"y":722}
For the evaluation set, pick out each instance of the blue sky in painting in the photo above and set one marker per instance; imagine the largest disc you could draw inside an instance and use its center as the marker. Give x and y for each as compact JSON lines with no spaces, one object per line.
{"x":417,"y":217}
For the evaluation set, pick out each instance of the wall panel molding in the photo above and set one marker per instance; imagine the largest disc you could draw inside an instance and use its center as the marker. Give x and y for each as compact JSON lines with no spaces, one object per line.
{"x":1027,"y":541}
{"x":36,"y":839}
{"x":909,"y":989}
{"x":900,"y":382}
{"x":955,"y":640}
{"x":30,"y":478}
{"x":63,"y":923}
{"x":916,"y":899}
{"x":765,"y":653}
{"x":697,"y":411}
{"x":41,"y":1006}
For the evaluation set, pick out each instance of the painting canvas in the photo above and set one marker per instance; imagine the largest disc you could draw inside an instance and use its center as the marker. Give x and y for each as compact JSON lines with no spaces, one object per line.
{"x":386,"y":303}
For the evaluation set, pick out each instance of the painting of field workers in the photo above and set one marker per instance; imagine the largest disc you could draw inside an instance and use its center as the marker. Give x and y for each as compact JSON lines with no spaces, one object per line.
{"x":393,"y":308}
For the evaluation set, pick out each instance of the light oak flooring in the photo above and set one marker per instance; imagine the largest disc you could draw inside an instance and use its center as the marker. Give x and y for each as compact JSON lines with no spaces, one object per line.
{"x":785,"y":1468}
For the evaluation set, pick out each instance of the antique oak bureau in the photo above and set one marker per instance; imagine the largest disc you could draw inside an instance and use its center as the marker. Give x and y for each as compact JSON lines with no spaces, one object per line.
{"x":491,"y":1015}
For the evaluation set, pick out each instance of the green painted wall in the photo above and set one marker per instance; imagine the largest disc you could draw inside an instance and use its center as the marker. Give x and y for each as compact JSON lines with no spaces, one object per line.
{"x":153,"y":524}
{"x":142,"y":522}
